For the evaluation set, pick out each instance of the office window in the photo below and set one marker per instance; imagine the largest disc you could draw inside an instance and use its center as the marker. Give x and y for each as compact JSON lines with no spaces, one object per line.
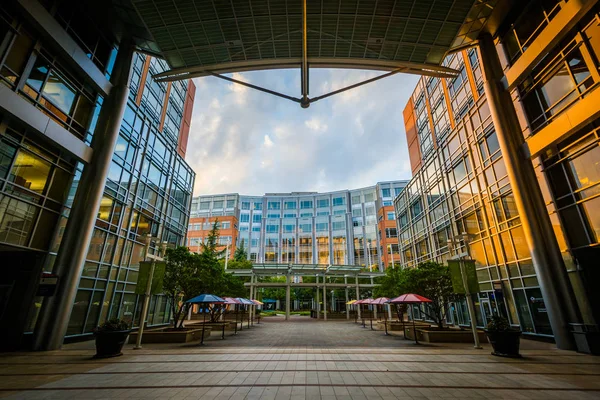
{"x":258,"y":205}
{"x":322,"y":213}
{"x":274,"y":205}
{"x":289,"y":205}
{"x":305,"y":228}
{"x":369,"y":197}
{"x":205,"y":205}
{"x":256,"y":218}
{"x":289,"y":228}
{"x":386,"y":192}
{"x":230,"y":203}
{"x":391,"y":233}
{"x":391,"y":216}
{"x":355,"y":199}
{"x":289,"y":215}
{"x":272,"y":228}
{"x":322,"y":203}
{"x":255,"y":228}
{"x":244,"y":217}
{"x":245,"y":205}
{"x":304,"y":204}
{"x":338,"y":201}
{"x":226,"y":225}
{"x":397,"y":191}
{"x":218,"y":204}
{"x":273,"y":215}
{"x":306,"y":214}
{"x":321,"y":226}
{"x":338,"y":225}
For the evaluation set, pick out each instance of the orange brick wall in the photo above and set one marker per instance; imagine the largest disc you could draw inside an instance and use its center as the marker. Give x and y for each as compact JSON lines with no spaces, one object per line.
{"x":202,"y":233}
{"x":381,"y":225}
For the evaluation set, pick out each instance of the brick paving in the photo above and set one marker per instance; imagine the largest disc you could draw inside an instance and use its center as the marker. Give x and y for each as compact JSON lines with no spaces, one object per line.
{"x":301,"y":359}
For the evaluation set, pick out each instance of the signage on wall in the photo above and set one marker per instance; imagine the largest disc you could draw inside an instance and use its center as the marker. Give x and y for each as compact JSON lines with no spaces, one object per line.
{"x":47,"y":285}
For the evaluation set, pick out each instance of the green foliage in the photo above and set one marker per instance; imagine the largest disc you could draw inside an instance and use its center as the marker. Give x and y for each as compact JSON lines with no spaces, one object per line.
{"x":113,"y":325}
{"x":431,"y":280}
{"x":498,"y":324}
{"x":210,"y":248}
{"x":393,"y":284}
{"x":237,"y":264}
{"x":188,"y":275}
{"x":241,"y":254}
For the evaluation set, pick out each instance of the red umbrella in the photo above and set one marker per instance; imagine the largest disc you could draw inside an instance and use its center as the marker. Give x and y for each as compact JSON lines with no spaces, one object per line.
{"x":411,"y":298}
{"x":381,"y":301}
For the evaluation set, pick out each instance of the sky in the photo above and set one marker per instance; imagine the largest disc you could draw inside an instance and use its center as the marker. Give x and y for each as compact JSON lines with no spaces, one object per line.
{"x":249,"y":142}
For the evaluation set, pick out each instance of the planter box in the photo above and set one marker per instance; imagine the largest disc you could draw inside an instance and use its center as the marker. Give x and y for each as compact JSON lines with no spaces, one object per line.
{"x":171,"y":336}
{"x":433,"y":335}
{"x":398,"y":326}
{"x":216,"y":326}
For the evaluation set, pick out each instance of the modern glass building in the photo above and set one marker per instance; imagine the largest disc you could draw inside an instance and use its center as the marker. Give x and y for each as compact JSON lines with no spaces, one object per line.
{"x":69,"y":188}
{"x":507,"y":152}
{"x":346,"y":227}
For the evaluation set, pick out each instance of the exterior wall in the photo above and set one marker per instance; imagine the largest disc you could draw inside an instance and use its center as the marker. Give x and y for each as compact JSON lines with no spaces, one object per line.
{"x":388,"y":236}
{"x":199,"y":228}
{"x":184,"y":132}
{"x":149,"y":185}
{"x":302,"y":228}
{"x":463,"y":186}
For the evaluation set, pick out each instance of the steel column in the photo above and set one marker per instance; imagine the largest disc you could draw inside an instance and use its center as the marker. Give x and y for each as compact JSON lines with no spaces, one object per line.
{"x":357,"y":298}
{"x":287,"y":298}
{"x":545,"y":253}
{"x":56,"y":311}
{"x":324,"y":300}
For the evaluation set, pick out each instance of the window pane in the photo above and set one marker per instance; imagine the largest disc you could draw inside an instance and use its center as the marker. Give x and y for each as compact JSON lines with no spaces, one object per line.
{"x":30,"y":171}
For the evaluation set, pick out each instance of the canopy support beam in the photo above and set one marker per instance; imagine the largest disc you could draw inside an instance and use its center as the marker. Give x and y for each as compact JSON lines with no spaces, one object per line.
{"x":304,"y":66}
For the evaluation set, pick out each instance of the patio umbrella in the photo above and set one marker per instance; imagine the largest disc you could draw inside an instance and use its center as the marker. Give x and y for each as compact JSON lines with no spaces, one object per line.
{"x":411,"y":299}
{"x":258,"y":303}
{"x":365,"y":301}
{"x":382,"y":301}
{"x":234,"y":302}
{"x":245,"y":302}
{"x":205,"y":299}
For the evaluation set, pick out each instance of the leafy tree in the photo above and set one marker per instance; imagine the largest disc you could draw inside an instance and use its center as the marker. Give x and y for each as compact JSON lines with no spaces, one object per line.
{"x":393,"y":284}
{"x":240,"y":253}
{"x":431,"y":280}
{"x":182,"y":281}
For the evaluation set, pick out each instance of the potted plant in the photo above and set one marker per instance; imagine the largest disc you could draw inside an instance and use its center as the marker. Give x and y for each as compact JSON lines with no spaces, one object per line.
{"x":110,"y":338}
{"x":504,"y":339}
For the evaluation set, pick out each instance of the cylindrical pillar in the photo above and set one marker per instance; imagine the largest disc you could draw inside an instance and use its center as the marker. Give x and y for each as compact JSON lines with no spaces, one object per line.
{"x":347,"y":300}
{"x":318,"y":300}
{"x":357,"y":298}
{"x":56,"y":310}
{"x":287,"y":298}
{"x":324,"y":300}
{"x":545,"y":253}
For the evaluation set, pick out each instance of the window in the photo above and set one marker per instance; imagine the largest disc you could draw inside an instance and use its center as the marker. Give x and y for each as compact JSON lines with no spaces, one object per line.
{"x":255,"y":228}
{"x":230,"y":203}
{"x":218,"y":204}
{"x":357,"y":212}
{"x":322,"y":203}
{"x":306,"y":214}
{"x":321,"y":226}
{"x":386,"y":192}
{"x":256,"y":218}
{"x":489,"y":148}
{"x":391,"y":233}
{"x":338,"y":225}
{"x":397,"y":191}
{"x":356,"y":199}
{"x":244,"y":217}
{"x":289,"y":215}
{"x":416,"y":208}
{"x":289,"y":205}
{"x":339,"y":212}
{"x":305,"y":228}
{"x":226,"y":225}
{"x":357,"y":221}
{"x":289,"y":228}
{"x":245,"y":205}
{"x":339,"y":201}
{"x":205,"y":205}
{"x":272,"y":228}
{"x":258,"y":205}
{"x":274,"y":205}
{"x":273,"y":215}
{"x":391,"y":216}
{"x":322,"y":213}
{"x":369,"y":197}
{"x":304,"y":204}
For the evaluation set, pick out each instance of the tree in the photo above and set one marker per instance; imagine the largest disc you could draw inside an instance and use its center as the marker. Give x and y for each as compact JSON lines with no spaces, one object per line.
{"x":182,"y":281}
{"x":210,"y":248}
{"x":240,"y":253}
{"x":431,"y":280}
{"x":393,"y":284}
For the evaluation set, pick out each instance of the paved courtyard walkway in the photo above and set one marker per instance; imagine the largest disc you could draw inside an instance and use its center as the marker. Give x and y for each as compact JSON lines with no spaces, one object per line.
{"x":301,"y":359}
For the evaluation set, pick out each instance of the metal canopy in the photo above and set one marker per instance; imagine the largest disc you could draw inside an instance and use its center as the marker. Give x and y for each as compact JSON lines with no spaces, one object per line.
{"x":305,"y":270}
{"x":208,"y":37}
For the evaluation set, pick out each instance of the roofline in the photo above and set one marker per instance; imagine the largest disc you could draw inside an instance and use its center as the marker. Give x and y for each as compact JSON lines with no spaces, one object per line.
{"x":177,"y":74}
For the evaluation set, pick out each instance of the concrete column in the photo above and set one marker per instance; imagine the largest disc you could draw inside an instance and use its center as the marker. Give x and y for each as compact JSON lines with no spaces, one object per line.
{"x":324,"y":300}
{"x":545,"y":253}
{"x":357,"y":298}
{"x":287,"y":298}
{"x":56,"y":311}
{"x":318,"y":300}
{"x":252,"y":290}
{"x":347,"y":300}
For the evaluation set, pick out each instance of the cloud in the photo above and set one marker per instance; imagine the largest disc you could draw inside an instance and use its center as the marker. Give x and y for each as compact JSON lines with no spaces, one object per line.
{"x":249,"y":142}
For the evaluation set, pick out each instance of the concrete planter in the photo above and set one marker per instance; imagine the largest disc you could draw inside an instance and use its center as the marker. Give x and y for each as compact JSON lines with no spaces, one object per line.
{"x":434,"y":335}
{"x":170,"y":335}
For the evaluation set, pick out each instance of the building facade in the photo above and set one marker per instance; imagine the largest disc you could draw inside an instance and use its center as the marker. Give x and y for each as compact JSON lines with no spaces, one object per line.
{"x":55,"y":107}
{"x":348,"y":227}
{"x":507,"y":152}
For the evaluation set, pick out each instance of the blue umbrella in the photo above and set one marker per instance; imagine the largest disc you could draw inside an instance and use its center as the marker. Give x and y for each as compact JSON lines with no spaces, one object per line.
{"x":205,"y":299}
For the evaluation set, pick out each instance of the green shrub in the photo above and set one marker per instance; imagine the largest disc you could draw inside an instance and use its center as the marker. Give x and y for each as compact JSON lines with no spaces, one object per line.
{"x":113,"y":325}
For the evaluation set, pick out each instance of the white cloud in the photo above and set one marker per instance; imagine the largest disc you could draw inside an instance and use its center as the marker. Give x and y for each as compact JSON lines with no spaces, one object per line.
{"x":249,"y":142}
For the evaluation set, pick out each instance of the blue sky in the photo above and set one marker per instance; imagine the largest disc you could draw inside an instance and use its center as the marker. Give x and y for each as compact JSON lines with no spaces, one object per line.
{"x":249,"y":142}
